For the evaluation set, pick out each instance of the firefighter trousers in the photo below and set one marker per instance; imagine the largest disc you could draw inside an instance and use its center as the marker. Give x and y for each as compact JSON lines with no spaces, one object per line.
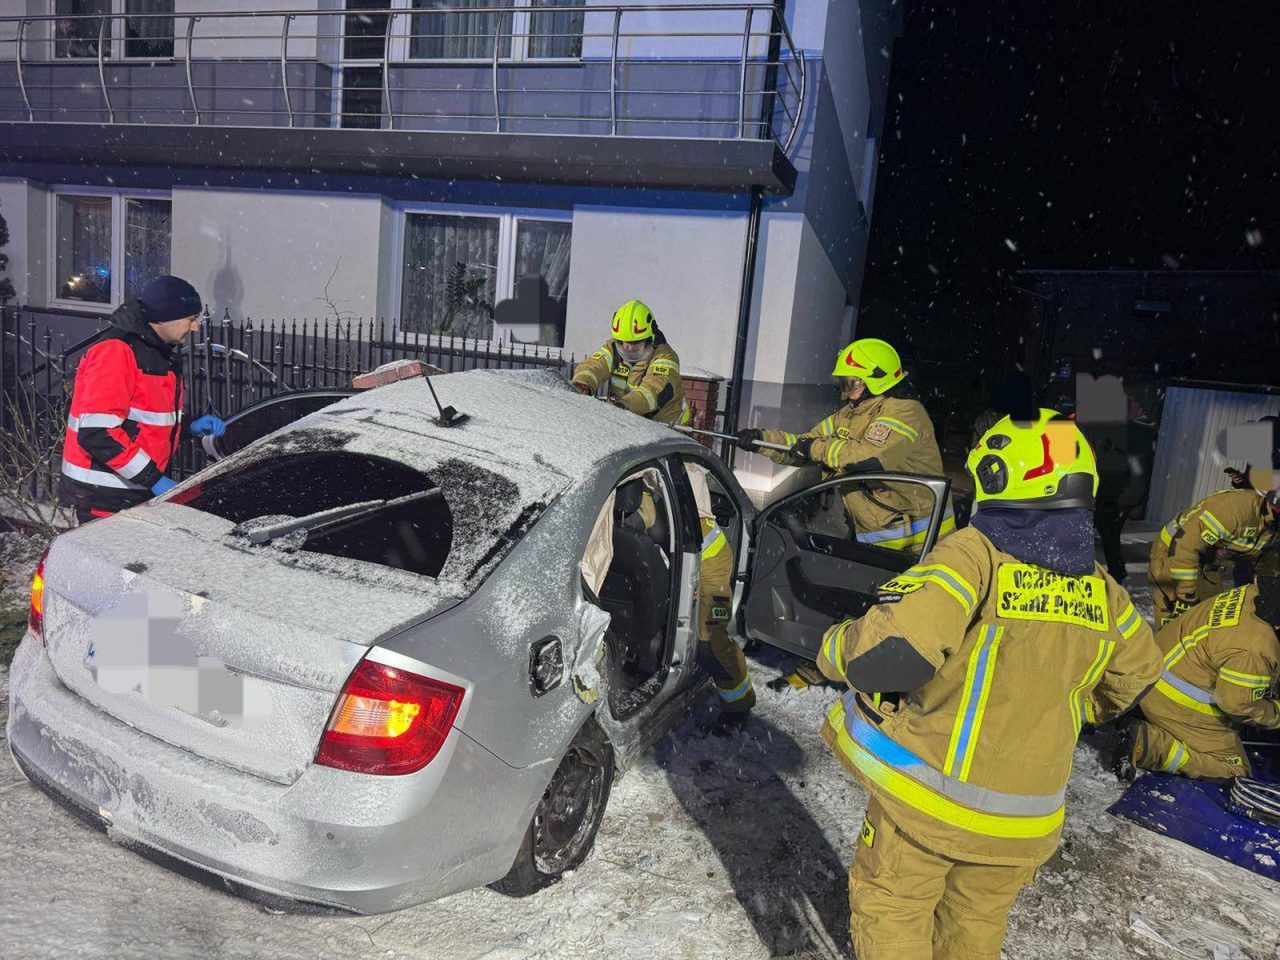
{"x":908,"y":903}
{"x":1192,"y":753}
{"x":719,"y":655}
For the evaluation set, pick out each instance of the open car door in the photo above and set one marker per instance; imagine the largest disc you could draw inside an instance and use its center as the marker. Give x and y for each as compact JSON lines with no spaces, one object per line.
{"x":267,"y":416}
{"x":819,"y":555}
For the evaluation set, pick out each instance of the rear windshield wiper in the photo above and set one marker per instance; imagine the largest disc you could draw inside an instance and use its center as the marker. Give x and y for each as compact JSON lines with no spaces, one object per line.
{"x":337,"y":516}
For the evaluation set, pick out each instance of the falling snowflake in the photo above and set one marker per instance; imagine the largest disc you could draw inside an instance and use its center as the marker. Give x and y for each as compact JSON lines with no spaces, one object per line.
{"x":1011,"y":245}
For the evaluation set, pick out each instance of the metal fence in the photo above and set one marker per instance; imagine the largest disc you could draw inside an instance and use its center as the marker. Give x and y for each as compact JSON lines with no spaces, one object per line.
{"x":229,"y":366}
{"x":700,"y":70}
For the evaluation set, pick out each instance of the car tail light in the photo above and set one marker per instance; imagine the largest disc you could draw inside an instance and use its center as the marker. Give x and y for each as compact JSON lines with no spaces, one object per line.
{"x":388,"y":721}
{"x":35,"y":614}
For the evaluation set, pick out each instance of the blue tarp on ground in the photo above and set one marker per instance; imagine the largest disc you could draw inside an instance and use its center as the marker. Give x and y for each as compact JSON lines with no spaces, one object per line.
{"x":1197,"y":813}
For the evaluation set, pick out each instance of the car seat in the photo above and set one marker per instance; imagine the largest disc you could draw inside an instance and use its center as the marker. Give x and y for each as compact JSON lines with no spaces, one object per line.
{"x":637,"y":590}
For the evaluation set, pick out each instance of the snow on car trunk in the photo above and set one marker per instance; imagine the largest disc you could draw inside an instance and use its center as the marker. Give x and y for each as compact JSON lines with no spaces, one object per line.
{"x":228,"y":653}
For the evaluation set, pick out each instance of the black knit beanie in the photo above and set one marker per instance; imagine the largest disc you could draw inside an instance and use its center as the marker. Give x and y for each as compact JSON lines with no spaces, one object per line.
{"x":169,"y":298}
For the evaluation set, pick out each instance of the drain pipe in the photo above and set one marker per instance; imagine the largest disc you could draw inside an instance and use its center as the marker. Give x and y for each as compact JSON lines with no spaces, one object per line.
{"x":734,"y":406}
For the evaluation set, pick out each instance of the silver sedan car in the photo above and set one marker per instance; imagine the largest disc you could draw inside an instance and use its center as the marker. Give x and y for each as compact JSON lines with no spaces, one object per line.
{"x":384,"y":654}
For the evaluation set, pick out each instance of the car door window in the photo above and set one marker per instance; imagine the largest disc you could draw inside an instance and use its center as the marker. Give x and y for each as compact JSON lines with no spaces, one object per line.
{"x":880,"y":521}
{"x":821,"y":553}
{"x":631,"y":554}
{"x":711,"y":495}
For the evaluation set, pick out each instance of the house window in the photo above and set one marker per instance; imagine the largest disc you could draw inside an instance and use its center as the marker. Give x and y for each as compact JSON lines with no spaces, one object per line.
{"x":80,"y":26}
{"x":450,"y":275}
{"x":556,"y":32}
{"x":148,"y":28}
{"x":148,"y":32}
{"x":108,"y":245}
{"x":502,"y":278}
{"x":541,"y":269}
{"x":466,"y":35}
{"x":440,"y":30}
{"x":84,"y":249}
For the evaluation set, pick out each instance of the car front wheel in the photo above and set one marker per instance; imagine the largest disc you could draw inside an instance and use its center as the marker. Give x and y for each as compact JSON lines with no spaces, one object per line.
{"x":568,"y":816}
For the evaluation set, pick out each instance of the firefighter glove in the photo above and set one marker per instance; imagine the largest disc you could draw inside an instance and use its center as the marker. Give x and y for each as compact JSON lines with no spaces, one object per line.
{"x":1238,"y":479}
{"x":580,"y":387}
{"x":163,"y":485}
{"x":800,"y":449}
{"x":208,"y":426}
{"x":747,"y":439}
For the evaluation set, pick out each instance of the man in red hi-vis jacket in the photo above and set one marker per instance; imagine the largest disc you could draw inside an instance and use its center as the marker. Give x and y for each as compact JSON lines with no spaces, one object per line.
{"x":126,"y":411}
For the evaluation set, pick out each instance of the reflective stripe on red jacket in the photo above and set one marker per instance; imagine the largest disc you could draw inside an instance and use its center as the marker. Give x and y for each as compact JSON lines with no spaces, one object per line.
{"x":125,"y":418}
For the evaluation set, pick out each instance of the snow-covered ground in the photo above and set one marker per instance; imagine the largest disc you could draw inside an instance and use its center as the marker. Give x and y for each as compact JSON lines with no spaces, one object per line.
{"x":710,"y":848}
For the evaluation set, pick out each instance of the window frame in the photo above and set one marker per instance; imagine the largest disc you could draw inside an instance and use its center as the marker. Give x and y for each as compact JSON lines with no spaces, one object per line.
{"x":119,"y":196}
{"x":117,"y":42}
{"x":504,"y":287}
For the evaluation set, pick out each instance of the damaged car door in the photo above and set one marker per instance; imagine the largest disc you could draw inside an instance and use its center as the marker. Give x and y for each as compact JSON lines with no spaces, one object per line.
{"x":817,"y":556}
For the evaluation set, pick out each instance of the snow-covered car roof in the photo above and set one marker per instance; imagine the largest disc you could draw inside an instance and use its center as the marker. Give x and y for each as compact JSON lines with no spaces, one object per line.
{"x":525,"y":418}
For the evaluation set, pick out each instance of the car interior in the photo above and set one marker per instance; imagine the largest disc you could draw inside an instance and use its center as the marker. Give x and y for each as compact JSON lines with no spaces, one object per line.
{"x":809,"y":570}
{"x":637,"y":591}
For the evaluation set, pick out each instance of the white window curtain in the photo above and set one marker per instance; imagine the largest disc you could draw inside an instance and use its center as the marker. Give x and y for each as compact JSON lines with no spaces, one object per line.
{"x":436,"y":35}
{"x":557,"y":32}
{"x":450,"y":275}
{"x":542,"y":272}
{"x":83,"y":249}
{"x":147,"y":236}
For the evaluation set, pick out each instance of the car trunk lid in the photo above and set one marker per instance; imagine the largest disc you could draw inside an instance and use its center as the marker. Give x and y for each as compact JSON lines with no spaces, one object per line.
{"x":161,"y":620}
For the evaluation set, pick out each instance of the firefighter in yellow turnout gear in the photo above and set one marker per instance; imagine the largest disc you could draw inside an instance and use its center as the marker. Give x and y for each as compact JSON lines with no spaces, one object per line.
{"x":721,"y":657}
{"x":641,"y":369}
{"x":1186,"y":554}
{"x":967,"y":681}
{"x":1221,"y":664}
{"x":876,"y":428}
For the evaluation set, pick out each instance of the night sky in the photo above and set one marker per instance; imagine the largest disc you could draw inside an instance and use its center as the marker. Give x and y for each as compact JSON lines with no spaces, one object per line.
{"x":1029,"y":135}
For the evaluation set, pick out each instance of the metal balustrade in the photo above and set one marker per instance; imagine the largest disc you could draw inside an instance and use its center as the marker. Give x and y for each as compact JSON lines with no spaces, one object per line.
{"x":693,"y":71}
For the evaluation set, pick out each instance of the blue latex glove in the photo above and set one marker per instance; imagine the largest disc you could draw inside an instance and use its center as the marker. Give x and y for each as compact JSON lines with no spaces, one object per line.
{"x":163,"y":485}
{"x":208,"y":426}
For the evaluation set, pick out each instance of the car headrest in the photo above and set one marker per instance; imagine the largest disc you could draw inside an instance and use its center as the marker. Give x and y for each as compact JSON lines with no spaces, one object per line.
{"x":629,"y":497}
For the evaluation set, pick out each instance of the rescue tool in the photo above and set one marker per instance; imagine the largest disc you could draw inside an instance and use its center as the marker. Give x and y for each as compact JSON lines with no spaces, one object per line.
{"x":764,"y":444}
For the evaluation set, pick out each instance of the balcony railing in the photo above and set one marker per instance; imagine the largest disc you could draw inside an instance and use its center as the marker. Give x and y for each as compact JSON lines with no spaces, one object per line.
{"x":556,"y":67}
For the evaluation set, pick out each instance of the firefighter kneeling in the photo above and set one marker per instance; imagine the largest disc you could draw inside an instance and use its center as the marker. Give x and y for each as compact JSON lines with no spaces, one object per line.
{"x":1221,"y":663}
{"x":967,"y":682}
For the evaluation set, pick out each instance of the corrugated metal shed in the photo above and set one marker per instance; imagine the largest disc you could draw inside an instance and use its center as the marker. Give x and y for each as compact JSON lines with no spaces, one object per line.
{"x":1188,"y":465}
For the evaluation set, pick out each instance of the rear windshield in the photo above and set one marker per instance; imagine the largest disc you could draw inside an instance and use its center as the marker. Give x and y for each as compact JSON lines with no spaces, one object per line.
{"x":416,"y":537}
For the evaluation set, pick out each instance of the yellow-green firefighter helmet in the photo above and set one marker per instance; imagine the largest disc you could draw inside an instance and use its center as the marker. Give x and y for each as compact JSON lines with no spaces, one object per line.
{"x":873,"y":362}
{"x":1045,"y":464}
{"x":633,"y":321}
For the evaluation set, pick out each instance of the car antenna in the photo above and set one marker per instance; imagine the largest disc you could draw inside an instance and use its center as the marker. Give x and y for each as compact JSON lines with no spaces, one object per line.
{"x":449,"y":417}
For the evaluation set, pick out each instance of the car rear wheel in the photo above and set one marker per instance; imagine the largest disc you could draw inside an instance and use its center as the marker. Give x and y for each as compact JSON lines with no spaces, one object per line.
{"x":568,"y":816}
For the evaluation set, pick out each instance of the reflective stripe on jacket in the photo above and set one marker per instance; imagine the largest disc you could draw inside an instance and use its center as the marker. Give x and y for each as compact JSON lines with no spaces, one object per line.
{"x":1235,"y":522}
{"x":898,"y":433}
{"x":973,"y":761}
{"x":126,"y":416}
{"x":652,"y":388}
{"x":1220,"y":668}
